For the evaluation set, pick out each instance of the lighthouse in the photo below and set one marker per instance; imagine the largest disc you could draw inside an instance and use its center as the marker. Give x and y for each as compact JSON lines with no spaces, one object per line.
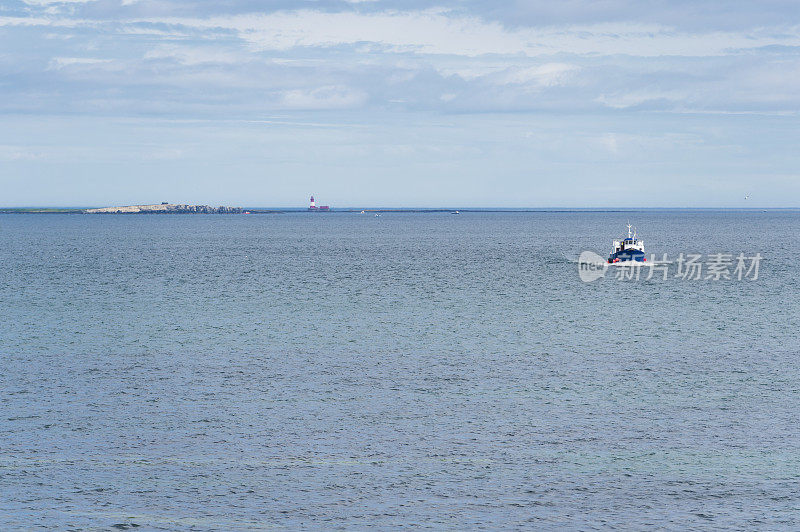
{"x":312,"y":206}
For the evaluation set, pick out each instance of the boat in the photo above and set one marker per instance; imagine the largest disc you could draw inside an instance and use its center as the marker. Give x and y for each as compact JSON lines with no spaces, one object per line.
{"x":629,"y":249}
{"x":455,"y":212}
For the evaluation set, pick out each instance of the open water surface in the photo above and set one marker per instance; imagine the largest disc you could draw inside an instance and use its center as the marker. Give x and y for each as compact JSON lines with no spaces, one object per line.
{"x":322,"y":371}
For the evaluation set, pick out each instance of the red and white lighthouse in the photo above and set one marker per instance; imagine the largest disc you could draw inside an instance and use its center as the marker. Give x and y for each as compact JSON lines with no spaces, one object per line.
{"x":313,"y":206}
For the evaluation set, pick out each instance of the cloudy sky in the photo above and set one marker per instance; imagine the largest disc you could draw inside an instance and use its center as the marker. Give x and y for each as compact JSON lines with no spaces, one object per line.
{"x":387,"y":103}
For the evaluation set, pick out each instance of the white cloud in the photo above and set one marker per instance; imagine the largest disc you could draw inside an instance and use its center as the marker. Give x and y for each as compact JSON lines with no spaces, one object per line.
{"x":45,"y":22}
{"x":51,"y":2}
{"x":330,"y":97}
{"x":546,"y":75}
{"x":610,"y":143}
{"x":431,"y":59}
{"x":195,"y":55}
{"x":471,"y":72}
{"x":61,"y":62}
{"x":636,"y":98}
{"x":441,"y":32}
{"x":10,"y":153}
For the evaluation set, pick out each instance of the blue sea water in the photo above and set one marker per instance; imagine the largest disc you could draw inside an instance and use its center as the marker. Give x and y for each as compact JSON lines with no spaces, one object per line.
{"x":342,"y":371}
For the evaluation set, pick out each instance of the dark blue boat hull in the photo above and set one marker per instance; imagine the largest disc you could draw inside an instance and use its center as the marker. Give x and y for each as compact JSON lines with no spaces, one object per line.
{"x":627,"y":255}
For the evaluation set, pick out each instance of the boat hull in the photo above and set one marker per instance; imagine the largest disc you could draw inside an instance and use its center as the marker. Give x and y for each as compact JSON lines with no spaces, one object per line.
{"x":627,"y":255}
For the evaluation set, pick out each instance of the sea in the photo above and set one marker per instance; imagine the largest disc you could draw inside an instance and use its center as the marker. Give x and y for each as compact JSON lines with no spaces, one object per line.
{"x":346,"y":371}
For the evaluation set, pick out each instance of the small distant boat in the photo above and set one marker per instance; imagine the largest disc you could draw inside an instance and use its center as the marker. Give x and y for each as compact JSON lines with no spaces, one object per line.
{"x":455,"y":212}
{"x":362,"y":212}
{"x":629,"y":249}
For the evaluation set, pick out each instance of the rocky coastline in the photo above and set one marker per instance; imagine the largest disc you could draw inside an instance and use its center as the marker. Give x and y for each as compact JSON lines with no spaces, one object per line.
{"x":166,"y":208}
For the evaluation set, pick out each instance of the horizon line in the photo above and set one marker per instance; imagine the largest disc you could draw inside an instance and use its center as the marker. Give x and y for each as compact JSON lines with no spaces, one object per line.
{"x":437,"y":208}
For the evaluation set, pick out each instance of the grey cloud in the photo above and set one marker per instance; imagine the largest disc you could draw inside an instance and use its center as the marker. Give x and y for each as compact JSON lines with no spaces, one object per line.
{"x":153,"y":57}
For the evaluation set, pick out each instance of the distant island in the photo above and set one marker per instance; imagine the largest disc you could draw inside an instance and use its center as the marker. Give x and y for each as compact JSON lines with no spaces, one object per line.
{"x":166,"y":208}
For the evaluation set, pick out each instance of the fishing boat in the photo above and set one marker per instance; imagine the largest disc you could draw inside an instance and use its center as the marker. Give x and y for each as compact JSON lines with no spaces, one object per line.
{"x":629,"y":249}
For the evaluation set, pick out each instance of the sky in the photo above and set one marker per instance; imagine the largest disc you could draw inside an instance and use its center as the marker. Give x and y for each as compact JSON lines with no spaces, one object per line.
{"x":456,"y":103}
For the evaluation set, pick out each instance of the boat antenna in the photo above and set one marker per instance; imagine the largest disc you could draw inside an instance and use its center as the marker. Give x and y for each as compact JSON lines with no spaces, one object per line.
{"x":629,"y":229}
